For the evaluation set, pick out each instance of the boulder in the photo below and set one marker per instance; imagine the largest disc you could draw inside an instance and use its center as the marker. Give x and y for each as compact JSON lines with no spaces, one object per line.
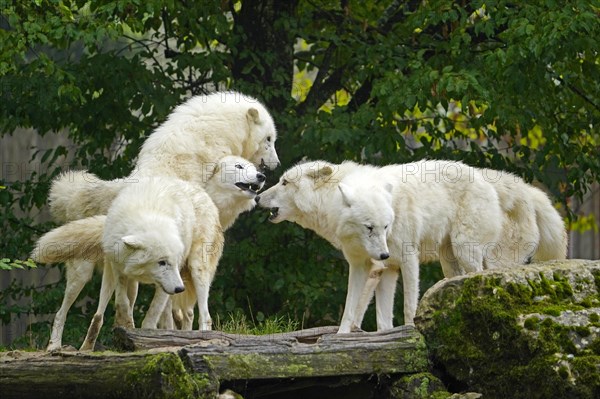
{"x":521,"y":332}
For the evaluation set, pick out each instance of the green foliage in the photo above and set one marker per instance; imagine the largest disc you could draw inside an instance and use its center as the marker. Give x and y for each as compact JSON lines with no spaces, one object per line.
{"x":7,"y":264}
{"x":499,"y":84}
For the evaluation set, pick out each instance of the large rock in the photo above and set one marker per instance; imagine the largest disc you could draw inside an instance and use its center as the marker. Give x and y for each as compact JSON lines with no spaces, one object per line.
{"x":523,"y":332}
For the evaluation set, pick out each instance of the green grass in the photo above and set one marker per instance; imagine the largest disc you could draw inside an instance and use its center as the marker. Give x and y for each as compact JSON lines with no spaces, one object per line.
{"x":238,"y":323}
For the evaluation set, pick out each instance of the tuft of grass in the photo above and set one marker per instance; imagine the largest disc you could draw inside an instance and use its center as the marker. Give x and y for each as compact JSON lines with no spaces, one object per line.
{"x":238,"y":323}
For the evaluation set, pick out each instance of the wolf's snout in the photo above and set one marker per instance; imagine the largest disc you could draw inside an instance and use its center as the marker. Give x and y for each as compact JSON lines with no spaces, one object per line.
{"x":260,"y":177}
{"x":179,"y":289}
{"x":257,"y":198}
{"x":384,"y":256}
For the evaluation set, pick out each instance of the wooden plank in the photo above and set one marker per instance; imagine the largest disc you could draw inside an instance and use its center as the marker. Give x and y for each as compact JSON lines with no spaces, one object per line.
{"x":400,"y":350}
{"x":143,"y":339}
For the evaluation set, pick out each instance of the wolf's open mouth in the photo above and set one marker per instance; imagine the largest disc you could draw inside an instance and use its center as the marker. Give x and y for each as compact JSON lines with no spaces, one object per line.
{"x":273,"y":213}
{"x":253,"y":188}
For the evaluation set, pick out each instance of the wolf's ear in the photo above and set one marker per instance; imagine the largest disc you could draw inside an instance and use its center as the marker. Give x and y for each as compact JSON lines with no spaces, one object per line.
{"x":319,"y":172}
{"x":347,"y":194}
{"x":253,"y":116}
{"x":132,"y":242}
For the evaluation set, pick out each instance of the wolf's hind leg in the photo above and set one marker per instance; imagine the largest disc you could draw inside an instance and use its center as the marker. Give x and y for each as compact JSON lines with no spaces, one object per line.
{"x":79,"y":272}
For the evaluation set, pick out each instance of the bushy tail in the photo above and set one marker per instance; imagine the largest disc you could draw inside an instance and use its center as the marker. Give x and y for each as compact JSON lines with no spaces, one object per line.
{"x":80,"y":194}
{"x":81,"y":239}
{"x":553,"y":234}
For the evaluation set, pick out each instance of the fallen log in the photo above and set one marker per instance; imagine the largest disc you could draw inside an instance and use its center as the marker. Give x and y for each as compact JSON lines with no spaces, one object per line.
{"x":212,"y":361}
{"x":143,"y":339}
{"x":99,"y":375}
{"x":317,"y":352}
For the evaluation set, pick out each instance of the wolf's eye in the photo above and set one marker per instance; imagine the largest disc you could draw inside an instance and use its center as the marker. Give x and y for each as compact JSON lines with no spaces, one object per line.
{"x":237,"y":165}
{"x":284,"y":182}
{"x":369,"y":227}
{"x":269,"y":139}
{"x":386,"y":226}
{"x":162,"y":263}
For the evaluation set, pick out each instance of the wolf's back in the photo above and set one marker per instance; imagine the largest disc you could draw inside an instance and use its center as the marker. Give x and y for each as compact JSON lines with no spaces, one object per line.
{"x":80,"y":239}
{"x":79,"y":194}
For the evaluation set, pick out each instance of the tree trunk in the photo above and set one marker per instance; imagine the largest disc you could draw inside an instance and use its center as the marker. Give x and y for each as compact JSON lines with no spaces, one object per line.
{"x":264,"y":49}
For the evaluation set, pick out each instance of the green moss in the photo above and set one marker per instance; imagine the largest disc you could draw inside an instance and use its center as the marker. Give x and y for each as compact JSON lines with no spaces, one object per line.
{"x":480,"y":343}
{"x":563,"y":372}
{"x":597,"y":279}
{"x":164,"y":376}
{"x":418,"y":386}
{"x":594,"y":318}
{"x":532,"y":323}
{"x":594,"y":347}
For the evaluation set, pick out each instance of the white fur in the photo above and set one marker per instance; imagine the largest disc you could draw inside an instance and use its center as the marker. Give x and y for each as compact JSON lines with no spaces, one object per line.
{"x":206,"y":128}
{"x":79,"y":245}
{"x":151,"y":228}
{"x":188,"y":146}
{"x":532,"y":229}
{"x":420,"y":211}
{"x":231,"y":202}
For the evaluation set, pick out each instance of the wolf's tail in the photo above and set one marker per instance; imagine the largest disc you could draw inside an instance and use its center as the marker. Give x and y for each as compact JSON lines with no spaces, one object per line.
{"x":553,"y":235}
{"x":81,"y":239}
{"x":80,"y":194}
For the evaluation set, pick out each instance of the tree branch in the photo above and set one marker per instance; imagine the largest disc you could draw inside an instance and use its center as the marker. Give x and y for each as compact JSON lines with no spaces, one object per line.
{"x":325,"y":86}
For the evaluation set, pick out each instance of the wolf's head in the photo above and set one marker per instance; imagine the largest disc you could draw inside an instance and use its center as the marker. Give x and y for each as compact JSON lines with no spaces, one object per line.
{"x":296,"y":192}
{"x":366,"y":216}
{"x":261,"y":143}
{"x":235,"y":176}
{"x":152,"y":256}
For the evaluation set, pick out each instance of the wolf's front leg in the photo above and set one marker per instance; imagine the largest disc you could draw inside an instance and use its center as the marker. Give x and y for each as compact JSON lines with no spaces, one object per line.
{"x":410,"y":283}
{"x":357,"y":279}
{"x":157,"y":306}
{"x":106,"y":291}
{"x":384,"y":298}
{"x":123,"y":308}
{"x":375,"y":273}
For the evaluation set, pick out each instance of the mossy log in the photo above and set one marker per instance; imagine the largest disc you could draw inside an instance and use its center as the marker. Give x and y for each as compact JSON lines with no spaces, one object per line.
{"x":311,"y":353}
{"x":210,"y":361}
{"x":99,"y":375}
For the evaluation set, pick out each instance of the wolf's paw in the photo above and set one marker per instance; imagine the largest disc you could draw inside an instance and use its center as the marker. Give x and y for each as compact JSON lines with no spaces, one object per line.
{"x":206,"y":326}
{"x":53,"y":347}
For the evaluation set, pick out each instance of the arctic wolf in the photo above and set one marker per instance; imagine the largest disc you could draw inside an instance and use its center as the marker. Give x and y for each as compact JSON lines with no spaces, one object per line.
{"x":421,"y":194}
{"x":532,"y":229}
{"x":234,"y":181}
{"x":187,"y":146}
{"x":233,"y":187}
{"x":395,"y":215}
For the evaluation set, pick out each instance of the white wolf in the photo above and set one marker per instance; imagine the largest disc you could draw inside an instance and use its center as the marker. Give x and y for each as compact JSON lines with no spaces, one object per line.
{"x":390,"y":215}
{"x":187,"y":146}
{"x":234,"y":181}
{"x":532,"y":229}
{"x":440,"y":209}
{"x":233,"y":187}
